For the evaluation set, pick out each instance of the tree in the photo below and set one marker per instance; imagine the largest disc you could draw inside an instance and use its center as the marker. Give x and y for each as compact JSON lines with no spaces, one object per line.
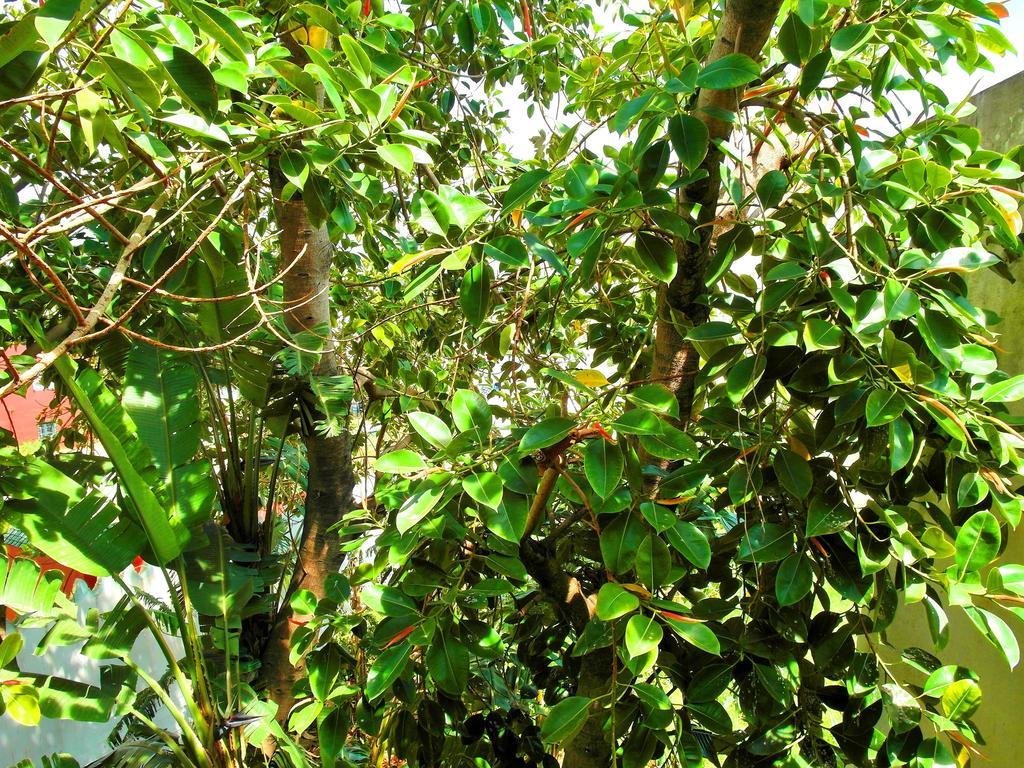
{"x":663,"y":424}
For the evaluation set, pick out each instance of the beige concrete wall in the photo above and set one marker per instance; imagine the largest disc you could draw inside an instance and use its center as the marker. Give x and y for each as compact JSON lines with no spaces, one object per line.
{"x":1000,"y":118}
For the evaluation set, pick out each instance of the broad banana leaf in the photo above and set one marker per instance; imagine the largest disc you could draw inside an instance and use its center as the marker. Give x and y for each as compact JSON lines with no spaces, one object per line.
{"x":131,"y":459}
{"x":218,"y":586}
{"x":121,"y":627}
{"x":63,"y":699}
{"x":82,"y":531}
{"x":162,"y":400}
{"x":24,"y":589}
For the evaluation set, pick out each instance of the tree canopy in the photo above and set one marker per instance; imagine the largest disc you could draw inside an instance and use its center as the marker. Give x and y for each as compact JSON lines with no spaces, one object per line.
{"x":627,"y":449}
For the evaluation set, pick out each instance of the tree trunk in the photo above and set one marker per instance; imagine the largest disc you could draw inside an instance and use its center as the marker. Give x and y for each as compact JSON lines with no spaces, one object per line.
{"x":744,"y":28}
{"x":330,"y":479}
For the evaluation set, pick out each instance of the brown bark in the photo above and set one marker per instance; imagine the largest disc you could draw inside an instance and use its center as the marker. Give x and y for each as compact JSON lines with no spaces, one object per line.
{"x":590,"y":747}
{"x":330,"y":480}
{"x":744,"y":28}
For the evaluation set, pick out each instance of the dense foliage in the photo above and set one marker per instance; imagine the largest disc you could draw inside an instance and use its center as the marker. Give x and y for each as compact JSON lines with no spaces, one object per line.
{"x":630,"y":450}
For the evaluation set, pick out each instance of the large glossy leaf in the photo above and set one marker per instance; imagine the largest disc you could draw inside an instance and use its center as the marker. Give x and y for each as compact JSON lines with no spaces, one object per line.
{"x":730,"y":71}
{"x":977,"y":542}
{"x":619,"y":542}
{"x":471,"y":412}
{"x":565,"y":719}
{"x":613,"y":601}
{"x":387,"y":667}
{"x":546,"y":434}
{"x":643,"y":635}
{"x":603,"y":464}
{"x":765,"y":543}
{"x":690,"y":542}
{"x":193,"y":82}
{"x":448,"y":662}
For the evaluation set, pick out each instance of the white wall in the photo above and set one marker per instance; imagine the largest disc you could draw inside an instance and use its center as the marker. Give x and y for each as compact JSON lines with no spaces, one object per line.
{"x":84,"y":741}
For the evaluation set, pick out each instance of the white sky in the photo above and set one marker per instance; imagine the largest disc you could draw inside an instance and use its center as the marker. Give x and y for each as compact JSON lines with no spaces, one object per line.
{"x":956,"y":83}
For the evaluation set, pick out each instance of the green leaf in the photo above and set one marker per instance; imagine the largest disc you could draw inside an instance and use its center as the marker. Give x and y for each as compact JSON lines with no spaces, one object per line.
{"x":819,"y":334}
{"x":653,"y":562}
{"x":132,"y":461}
{"x":669,"y":443}
{"x":629,"y":111}
{"x":161,"y":397}
{"x":565,"y":719}
{"x":696,"y":634}
{"x":824,"y":517}
{"x":388,"y":601}
{"x":656,"y":256}
{"x":386,"y":668}
{"x":193,"y":82}
{"x":960,"y":700}
{"x":603,"y":464}
{"x":522,"y":190}
{"x":771,"y":188}
{"x":901,"y":443}
{"x":332,"y":735}
{"x":356,"y":57}
{"x":977,"y":542}
{"x":400,"y":462}
{"x":54,"y":18}
{"x":475,"y":294}
{"x":508,"y":519}
{"x":619,"y":542}
{"x":765,"y":543}
{"x":655,"y":397}
{"x":82,"y":531}
{"x":794,"y":472}
{"x":430,"y":428}
{"x":730,"y":71}
{"x":653,"y":165}
{"x":25,"y":588}
{"x":794,"y":580}
{"x":293,"y":166}
{"x":223,"y":29}
{"x":398,"y":155}
{"x":22,"y":704}
{"x":743,"y":377}
{"x":398,"y":21}
{"x":972,"y":490}
{"x":484,"y":488}
{"x":882,"y":406}
{"x":997,"y":632}
{"x":464,"y":210}
{"x":471,"y":412}
{"x":132,"y":81}
{"x":422,"y":501}
{"x":1007,"y":391}
{"x":546,"y":434}
{"x":10,"y":647}
{"x":712,"y":330}
{"x":637,"y":422}
{"x":613,"y":601}
{"x":690,"y":139}
{"x":690,"y":542}
{"x":447,"y":661}
{"x":643,"y":635}
{"x":900,"y":301}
